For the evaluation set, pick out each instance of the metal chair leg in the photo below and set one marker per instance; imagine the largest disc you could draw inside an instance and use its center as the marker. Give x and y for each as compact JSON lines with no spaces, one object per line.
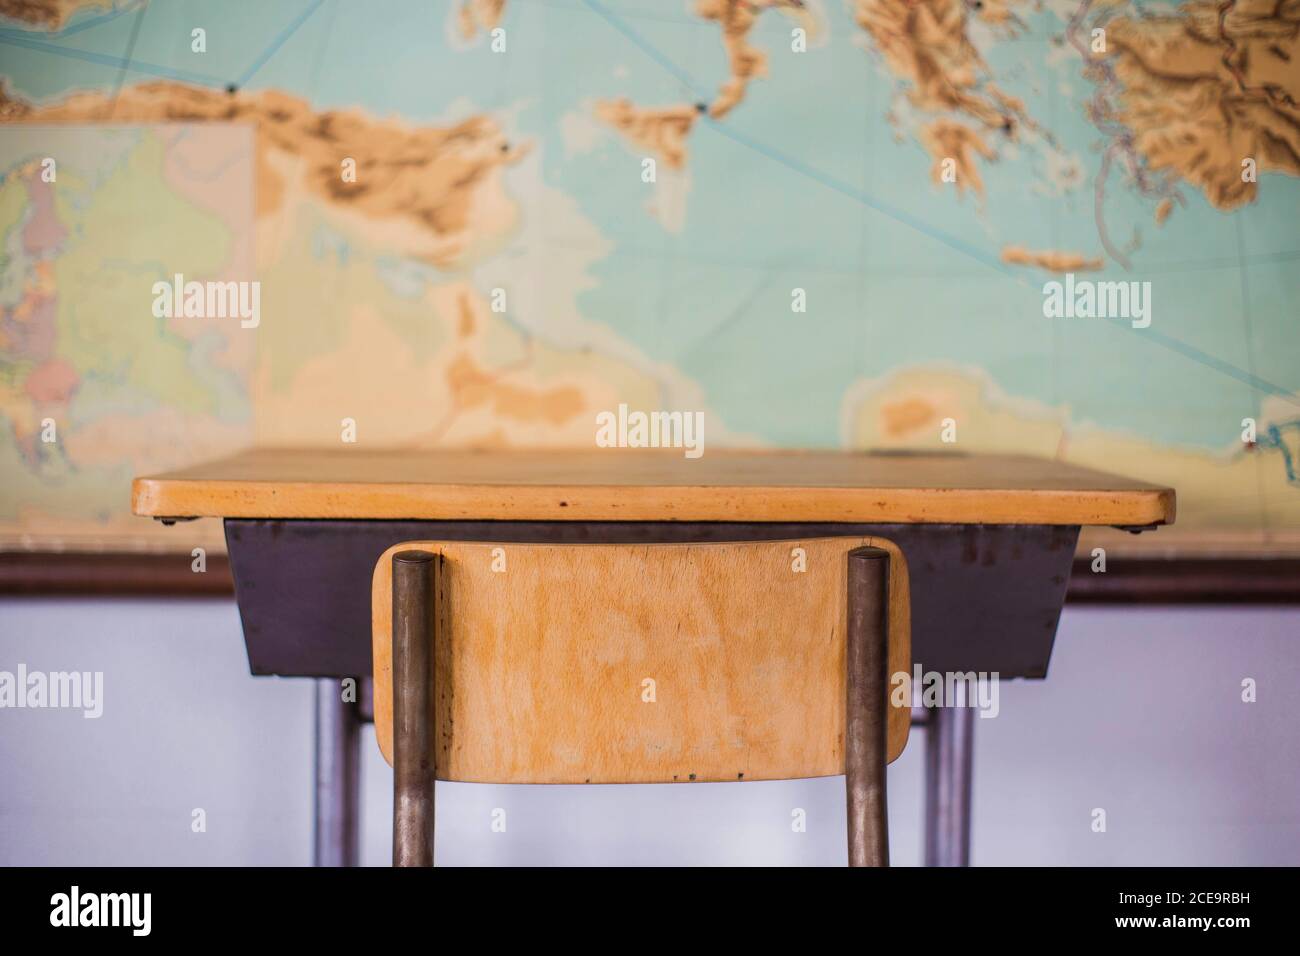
{"x":413,"y":696}
{"x":336,"y":816}
{"x":949,"y":747}
{"x":866,"y":711}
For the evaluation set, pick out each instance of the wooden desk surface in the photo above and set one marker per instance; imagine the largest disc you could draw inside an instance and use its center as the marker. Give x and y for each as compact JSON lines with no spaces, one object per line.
{"x":652,"y":485}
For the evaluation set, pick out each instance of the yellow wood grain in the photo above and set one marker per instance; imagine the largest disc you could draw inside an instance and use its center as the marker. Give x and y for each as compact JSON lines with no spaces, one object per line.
{"x":652,"y":485}
{"x":541,"y":667}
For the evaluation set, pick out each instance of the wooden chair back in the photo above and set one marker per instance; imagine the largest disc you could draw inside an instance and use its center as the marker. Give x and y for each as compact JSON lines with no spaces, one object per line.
{"x":608,"y":663}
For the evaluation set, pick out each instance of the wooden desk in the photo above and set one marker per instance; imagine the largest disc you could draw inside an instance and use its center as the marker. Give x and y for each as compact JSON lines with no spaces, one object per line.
{"x":988,"y":541}
{"x":662,"y":485}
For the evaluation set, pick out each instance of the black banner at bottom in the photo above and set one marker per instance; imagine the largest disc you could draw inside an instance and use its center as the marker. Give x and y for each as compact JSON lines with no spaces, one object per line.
{"x":739,"y":906}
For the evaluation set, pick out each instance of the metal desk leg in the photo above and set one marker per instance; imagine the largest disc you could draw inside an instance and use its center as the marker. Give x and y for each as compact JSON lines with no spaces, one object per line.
{"x":337,"y":822}
{"x":948,"y":750}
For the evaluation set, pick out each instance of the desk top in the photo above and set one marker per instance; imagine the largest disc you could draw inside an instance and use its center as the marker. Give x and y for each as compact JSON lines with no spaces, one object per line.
{"x":652,"y":485}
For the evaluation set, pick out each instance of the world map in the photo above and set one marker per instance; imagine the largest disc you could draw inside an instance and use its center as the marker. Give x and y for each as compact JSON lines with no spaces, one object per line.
{"x":821,"y":224}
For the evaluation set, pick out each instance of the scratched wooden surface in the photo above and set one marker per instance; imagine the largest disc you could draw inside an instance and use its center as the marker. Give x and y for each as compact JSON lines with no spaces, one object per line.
{"x":542,"y":666}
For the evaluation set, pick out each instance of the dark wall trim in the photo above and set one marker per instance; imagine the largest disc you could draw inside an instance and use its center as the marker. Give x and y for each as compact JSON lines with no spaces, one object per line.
{"x":1187,"y":581}
{"x":1126,"y":581}
{"x":72,"y":574}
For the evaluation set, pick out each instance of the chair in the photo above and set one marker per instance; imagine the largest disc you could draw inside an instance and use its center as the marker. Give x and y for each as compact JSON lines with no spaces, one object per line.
{"x":623,"y":663}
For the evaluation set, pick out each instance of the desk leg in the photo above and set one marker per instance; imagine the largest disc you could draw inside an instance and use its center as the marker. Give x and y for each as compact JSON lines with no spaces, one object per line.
{"x":337,"y":823}
{"x":948,"y":751}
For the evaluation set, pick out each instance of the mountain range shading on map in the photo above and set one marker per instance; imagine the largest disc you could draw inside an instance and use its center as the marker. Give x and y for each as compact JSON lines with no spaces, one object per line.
{"x":819,"y":223}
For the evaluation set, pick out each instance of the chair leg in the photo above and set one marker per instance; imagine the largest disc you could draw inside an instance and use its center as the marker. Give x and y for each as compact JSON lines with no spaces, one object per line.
{"x":336,"y":817}
{"x":949,"y":747}
{"x":413,"y":696}
{"x":866,"y":711}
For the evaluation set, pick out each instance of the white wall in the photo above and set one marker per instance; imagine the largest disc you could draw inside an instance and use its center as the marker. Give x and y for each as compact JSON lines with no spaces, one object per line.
{"x":1141,"y":715}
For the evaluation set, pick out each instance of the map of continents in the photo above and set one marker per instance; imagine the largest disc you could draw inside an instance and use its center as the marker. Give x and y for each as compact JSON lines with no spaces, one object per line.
{"x":820,"y":223}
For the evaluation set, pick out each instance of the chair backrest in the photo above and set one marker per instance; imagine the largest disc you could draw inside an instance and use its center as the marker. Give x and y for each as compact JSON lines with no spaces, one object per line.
{"x":605,"y":663}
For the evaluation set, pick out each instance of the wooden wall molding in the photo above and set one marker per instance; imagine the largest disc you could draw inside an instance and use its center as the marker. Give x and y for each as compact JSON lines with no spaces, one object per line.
{"x":106,"y":574}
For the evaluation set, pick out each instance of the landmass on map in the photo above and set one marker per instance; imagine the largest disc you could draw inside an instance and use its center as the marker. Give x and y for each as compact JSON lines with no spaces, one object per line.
{"x":926,"y":46}
{"x":475,"y":15}
{"x":48,"y":14}
{"x":437,"y":189}
{"x":429,"y":192}
{"x":92,"y":384}
{"x":1051,"y":260}
{"x":1198,"y":91}
{"x":662,"y":130}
